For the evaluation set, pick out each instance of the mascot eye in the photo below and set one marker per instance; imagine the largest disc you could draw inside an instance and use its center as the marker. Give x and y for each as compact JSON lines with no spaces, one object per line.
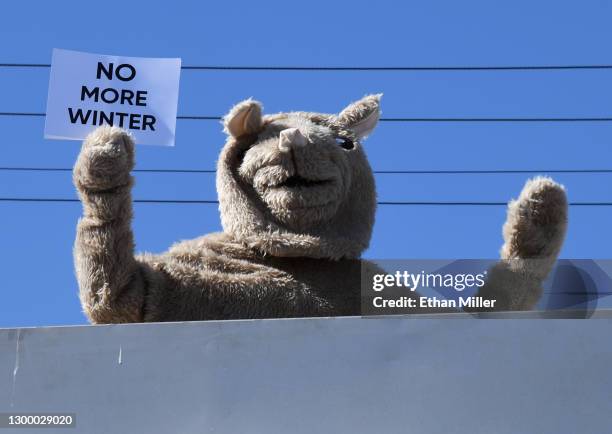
{"x":345,"y":143}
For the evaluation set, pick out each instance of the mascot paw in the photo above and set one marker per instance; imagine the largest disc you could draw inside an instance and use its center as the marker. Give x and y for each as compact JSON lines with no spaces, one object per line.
{"x":106,"y":159}
{"x":537,"y":221}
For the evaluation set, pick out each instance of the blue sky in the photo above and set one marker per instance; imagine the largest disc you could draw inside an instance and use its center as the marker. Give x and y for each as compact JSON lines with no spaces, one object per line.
{"x":38,"y":285}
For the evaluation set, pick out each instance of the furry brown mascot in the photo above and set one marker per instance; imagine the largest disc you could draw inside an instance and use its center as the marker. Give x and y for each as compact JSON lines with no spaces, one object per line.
{"x":297,"y":201}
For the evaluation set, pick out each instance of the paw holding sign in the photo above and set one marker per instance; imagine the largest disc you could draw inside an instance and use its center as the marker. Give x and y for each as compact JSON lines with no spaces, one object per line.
{"x":106,"y":159}
{"x":297,"y":201}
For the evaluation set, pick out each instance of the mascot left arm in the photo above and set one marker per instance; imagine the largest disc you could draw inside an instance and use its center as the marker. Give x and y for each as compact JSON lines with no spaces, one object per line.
{"x":533,"y":235}
{"x":111,"y":281}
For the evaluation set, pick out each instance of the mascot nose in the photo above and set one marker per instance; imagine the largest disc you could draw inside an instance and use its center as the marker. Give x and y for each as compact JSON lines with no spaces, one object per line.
{"x":291,"y":137}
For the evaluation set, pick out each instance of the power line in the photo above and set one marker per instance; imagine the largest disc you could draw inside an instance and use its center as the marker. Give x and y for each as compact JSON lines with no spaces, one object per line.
{"x":483,"y":203}
{"x":21,"y":114}
{"x":486,"y":172}
{"x":62,"y":200}
{"x":189,"y":201}
{"x":381,"y":172}
{"x":403,"y":119}
{"x":39,"y":114}
{"x":67,"y":169}
{"x":521,"y":119}
{"x":359,"y":68}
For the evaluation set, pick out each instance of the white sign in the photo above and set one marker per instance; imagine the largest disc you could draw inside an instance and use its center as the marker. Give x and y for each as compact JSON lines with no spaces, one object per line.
{"x":88,"y":90}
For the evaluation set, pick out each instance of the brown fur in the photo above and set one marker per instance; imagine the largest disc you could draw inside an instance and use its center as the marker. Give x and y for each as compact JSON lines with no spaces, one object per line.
{"x":297,"y":201}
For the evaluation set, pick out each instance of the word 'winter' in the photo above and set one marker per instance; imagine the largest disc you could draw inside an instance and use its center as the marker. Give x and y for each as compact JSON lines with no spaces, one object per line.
{"x":99,"y":117}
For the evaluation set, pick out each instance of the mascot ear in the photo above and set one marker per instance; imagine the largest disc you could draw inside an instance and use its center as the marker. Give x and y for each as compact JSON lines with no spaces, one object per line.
{"x":362,"y":116}
{"x":243,"y":118}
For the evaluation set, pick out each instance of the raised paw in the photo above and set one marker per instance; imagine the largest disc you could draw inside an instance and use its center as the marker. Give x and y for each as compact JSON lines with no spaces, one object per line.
{"x":106,"y":159}
{"x":536,"y":222}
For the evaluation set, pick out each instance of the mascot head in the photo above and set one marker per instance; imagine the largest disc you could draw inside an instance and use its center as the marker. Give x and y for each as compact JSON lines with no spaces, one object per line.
{"x":298,"y":184}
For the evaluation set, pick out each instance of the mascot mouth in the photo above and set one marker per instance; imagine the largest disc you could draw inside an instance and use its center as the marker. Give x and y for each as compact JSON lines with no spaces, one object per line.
{"x":299,"y":200}
{"x":297,"y":193}
{"x":297,"y":181}
{"x":302,"y":197}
